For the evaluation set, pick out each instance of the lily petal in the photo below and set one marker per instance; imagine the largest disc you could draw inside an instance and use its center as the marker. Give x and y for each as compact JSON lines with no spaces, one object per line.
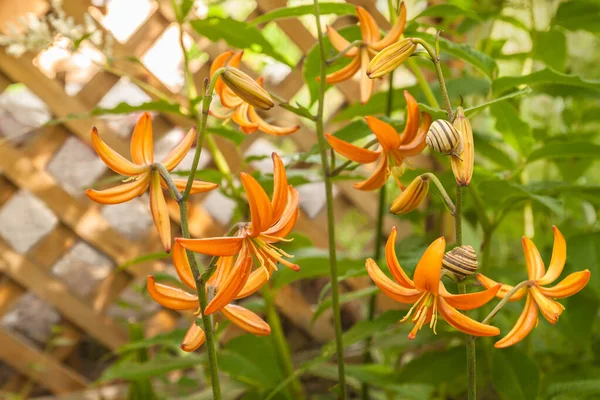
{"x":526,"y":322}
{"x":469,"y":301}
{"x":170,"y":297}
{"x":344,"y":73}
{"x":246,"y":320}
{"x":378,"y":178}
{"x":223,"y":269}
{"x":240,"y":117}
{"x":533,"y":259}
{"x":549,"y":308}
{"x":412,"y":119}
{"x":261,"y":212}
{"x":558,"y":260}
{"x":160,"y":212}
{"x":572,"y":284}
{"x":464,"y":323}
{"x":389,"y":287}
{"x":280,"y":187}
{"x":182,"y":266}
{"x":394,"y":33}
{"x":227,"y":97}
{"x":504,"y":289}
{"x":265,"y":127}
{"x":218,"y":246}
{"x":386,"y":135}
{"x":368,"y":26}
{"x":231,"y":286}
{"x":350,"y":151}
{"x":340,"y":43}
{"x":393,"y":264}
{"x":122,"y":193}
{"x":256,"y":280}
{"x":142,"y":151}
{"x":366,"y":83}
{"x":180,"y":151}
{"x":193,"y":339}
{"x":114,"y":160}
{"x":418,"y":143}
{"x":286,"y":222}
{"x":428,"y":270}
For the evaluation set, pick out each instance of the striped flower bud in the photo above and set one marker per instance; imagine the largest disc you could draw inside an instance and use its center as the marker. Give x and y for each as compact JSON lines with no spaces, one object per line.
{"x":461,"y":260}
{"x":247,"y":88}
{"x":444,"y":138}
{"x":462,"y":163}
{"x":412,"y":196}
{"x":390,"y":58}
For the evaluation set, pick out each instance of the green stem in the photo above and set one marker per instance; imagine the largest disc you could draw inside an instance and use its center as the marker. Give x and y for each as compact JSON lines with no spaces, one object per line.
{"x":471,"y":357}
{"x":335,"y":301}
{"x":442,"y":191}
{"x":342,"y":53}
{"x":505,"y":300}
{"x":345,"y":164}
{"x":168,"y":180}
{"x":283,"y":350}
{"x":414,"y":67}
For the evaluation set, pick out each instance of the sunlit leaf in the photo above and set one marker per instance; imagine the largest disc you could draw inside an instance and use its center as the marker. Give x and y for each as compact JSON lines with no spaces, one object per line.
{"x":290,"y":12}
{"x":547,"y":76}
{"x":578,"y":14}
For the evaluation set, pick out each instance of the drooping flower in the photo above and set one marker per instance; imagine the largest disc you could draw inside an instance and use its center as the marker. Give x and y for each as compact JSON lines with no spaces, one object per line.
{"x":394,"y":148}
{"x":427,"y":292}
{"x":372,"y":43}
{"x":412,"y":196}
{"x":540,"y":297}
{"x":241,"y":112}
{"x":271,"y":221}
{"x":230,"y":277}
{"x":142,"y":175}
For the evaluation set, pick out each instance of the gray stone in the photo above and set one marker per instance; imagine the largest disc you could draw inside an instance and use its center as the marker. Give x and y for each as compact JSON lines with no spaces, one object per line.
{"x":32,"y":317}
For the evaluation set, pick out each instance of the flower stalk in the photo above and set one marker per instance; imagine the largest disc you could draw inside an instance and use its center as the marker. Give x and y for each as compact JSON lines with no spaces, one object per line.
{"x":505,"y":300}
{"x":335,"y":301}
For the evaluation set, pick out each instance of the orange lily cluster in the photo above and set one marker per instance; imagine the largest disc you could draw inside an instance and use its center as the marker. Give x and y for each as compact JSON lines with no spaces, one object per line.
{"x":394,"y":148}
{"x":242,"y":113}
{"x":142,"y":175}
{"x":427,"y":292}
{"x":540,"y":297}
{"x":372,"y":43}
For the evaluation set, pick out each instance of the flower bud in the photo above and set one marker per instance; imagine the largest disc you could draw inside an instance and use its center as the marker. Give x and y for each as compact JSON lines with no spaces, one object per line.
{"x":247,"y":88}
{"x":444,"y":138}
{"x":462,"y":261}
{"x":391,"y":57}
{"x":462,"y":163}
{"x":412,"y":196}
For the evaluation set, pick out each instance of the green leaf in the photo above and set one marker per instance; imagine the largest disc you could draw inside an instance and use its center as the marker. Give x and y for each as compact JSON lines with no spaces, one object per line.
{"x":515,"y":375}
{"x":182,"y":9}
{"x":290,"y":12}
{"x":547,"y":76}
{"x":492,"y":149}
{"x":234,"y":135}
{"x":435,"y":367}
{"x":584,"y":252}
{"x":354,"y":131}
{"x":506,"y":195}
{"x":576,"y":324}
{"x":514,"y":130}
{"x":479,"y":60}
{"x":344,"y":298}
{"x":239,"y":34}
{"x":449,"y":11}
{"x":513,"y":21}
{"x":551,"y":48}
{"x":171,"y":339}
{"x":478,"y":108}
{"x":576,"y":389}
{"x":124,"y":108}
{"x":157,"y":366}
{"x":554,"y":151}
{"x":144,"y":258}
{"x":579,"y":14}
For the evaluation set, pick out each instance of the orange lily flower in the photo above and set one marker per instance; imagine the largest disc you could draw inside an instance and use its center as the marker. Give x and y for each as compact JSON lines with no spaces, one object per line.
{"x":271,"y":221}
{"x":242,"y":113}
{"x":427,"y":292}
{"x":538,"y":296}
{"x":225,"y":283}
{"x":142,"y":176}
{"x":394,"y":148}
{"x":372,"y":43}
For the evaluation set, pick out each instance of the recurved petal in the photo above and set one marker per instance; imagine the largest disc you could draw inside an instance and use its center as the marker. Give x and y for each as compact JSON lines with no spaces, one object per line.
{"x":393,"y":264}
{"x":193,"y":339}
{"x":220,"y":61}
{"x":231,"y":286}
{"x":386,"y":135}
{"x":246,"y":320}
{"x":504,"y":289}
{"x":114,"y":160}
{"x":379,"y":177}
{"x":394,"y":33}
{"x":549,"y":308}
{"x":265,"y":127}
{"x":182,"y":266}
{"x":122,"y":193}
{"x":261,"y":212}
{"x":223,"y":268}
{"x":180,"y":151}
{"x":339,"y":43}
{"x":572,"y":284}
{"x":160,"y":212}
{"x":412,"y":119}
{"x":526,"y":322}
{"x":280,"y":187}
{"x":142,"y":151}
{"x":256,"y":280}
{"x":286,"y":222}
{"x":464,"y":323}
{"x":170,"y":297}
{"x":218,"y":246}
{"x":366,"y":83}
{"x":533,"y":259}
{"x":429,"y":267}
{"x":350,"y":151}
{"x":418,"y":143}
{"x":368,"y":26}
{"x":227,"y":97}
{"x":558,"y":260}
{"x":390,"y":288}
{"x":240,"y":117}
{"x":197,"y":186}
{"x":344,"y":73}
{"x":469,"y":301}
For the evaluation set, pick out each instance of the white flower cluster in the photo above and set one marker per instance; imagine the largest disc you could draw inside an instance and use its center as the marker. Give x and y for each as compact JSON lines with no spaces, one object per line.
{"x":38,"y":33}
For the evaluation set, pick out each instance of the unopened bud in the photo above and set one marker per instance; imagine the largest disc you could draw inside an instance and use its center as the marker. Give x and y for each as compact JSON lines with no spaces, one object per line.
{"x":462,"y":163}
{"x":247,"y":88}
{"x":461,"y":260}
{"x":444,"y":138}
{"x":390,"y":58}
{"x":412,"y":196}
